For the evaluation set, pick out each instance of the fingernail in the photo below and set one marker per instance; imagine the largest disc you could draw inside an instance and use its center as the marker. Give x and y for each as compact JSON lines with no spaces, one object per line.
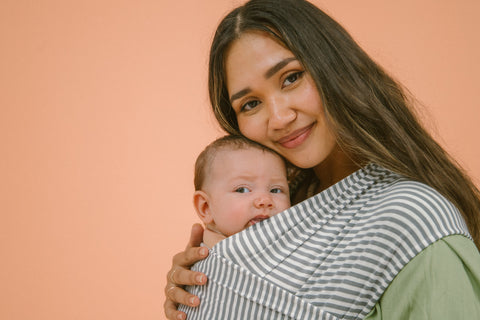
{"x":203,"y":251}
{"x":200,"y":278}
{"x":192,"y":300}
{"x":181,"y":316}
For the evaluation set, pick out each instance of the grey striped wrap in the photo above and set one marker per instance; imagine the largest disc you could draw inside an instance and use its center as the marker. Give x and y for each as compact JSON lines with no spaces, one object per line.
{"x":328,"y":257}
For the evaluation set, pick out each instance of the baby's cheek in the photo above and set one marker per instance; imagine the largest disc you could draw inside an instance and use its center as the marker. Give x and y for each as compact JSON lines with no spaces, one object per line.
{"x":237,"y":219}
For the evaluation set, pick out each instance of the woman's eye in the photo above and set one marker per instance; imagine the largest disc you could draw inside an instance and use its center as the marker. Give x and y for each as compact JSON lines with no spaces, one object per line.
{"x":292,"y":78}
{"x":276,"y":190}
{"x":242,"y":190}
{"x":250,"y":105}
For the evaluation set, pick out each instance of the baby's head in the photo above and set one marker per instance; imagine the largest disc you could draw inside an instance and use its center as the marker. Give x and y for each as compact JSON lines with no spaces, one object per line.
{"x":238,"y":183}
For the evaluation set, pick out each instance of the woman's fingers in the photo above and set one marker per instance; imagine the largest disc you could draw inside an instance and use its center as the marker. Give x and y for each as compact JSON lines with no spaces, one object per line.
{"x":171,"y":312}
{"x":196,"y":236}
{"x":190,"y":256}
{"x":178,"y":295}
{"x":180,"y":275}
{"x":184,"y":277}
{"x":175,"y":295}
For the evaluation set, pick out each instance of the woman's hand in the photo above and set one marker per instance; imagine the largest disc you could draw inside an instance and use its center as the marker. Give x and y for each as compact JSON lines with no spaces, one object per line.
{"x":181,"y":275}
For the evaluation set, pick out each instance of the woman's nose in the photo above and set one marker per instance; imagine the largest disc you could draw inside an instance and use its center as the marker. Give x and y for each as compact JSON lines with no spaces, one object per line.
{"x":263,"y":201}
{"x":281,"y":114}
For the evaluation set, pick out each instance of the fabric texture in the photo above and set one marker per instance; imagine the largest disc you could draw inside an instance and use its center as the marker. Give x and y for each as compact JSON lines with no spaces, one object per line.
{"x":442,"y":282}
{"x":331,"y":256}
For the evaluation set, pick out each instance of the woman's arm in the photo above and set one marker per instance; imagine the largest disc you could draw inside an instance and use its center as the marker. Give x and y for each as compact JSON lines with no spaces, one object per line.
{"x":441,"y":282}
{"x":180,"y":275}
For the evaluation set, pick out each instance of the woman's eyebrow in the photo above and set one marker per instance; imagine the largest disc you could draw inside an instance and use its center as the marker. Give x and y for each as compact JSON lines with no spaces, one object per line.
{"x":239,"y":94}
{"x":270,"y":72}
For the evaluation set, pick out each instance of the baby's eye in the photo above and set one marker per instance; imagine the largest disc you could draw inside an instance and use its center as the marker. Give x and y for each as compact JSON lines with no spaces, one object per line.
{"x":292,"y":78}
{"x":249,"y":105}
{"x":276,"y":190}
{"x":242,"y":190}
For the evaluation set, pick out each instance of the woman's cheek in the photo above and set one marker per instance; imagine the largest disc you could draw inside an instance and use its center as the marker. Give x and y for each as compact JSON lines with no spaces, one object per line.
{"x":254,"y":129}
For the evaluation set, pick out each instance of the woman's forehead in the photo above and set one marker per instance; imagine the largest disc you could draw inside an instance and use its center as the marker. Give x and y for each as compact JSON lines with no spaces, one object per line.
{"x":255,"y":52}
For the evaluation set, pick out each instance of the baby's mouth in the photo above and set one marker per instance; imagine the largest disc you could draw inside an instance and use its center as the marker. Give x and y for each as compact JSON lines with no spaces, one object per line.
{"x":258,"y":219}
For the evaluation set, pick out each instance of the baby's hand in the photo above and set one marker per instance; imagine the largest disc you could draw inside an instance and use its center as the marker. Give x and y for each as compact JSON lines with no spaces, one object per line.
{"x":211,"y":238}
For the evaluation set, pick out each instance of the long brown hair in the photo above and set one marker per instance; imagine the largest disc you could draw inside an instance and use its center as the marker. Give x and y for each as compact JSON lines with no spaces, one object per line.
{"x":370,"y":112}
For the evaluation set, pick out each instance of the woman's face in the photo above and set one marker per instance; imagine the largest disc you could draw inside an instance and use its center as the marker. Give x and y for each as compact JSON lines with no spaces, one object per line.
{"x":276,"y":101}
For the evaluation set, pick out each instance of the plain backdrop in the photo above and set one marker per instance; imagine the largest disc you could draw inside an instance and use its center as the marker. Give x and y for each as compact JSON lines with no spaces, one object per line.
{"x":104,"y":109}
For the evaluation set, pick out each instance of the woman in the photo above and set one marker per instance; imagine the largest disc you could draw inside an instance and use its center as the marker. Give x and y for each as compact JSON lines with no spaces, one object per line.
{"x":377,"y":188}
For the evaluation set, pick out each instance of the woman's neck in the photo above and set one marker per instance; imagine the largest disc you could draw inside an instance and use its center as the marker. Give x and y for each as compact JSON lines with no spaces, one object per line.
{"x":335,"y":167}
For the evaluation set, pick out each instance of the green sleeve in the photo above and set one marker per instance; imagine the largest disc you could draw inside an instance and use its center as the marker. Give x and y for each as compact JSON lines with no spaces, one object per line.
{"x":441,"y":282}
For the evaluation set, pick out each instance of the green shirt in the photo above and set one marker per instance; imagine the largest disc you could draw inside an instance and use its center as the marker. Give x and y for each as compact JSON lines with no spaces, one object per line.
{"x":441,"y":282}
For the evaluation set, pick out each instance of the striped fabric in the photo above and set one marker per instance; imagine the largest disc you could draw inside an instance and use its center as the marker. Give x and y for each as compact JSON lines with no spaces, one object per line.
{"x":329,"y":257}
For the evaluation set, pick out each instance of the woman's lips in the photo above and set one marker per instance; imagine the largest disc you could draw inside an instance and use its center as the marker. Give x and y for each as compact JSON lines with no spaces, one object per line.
{"x":296,"y":138}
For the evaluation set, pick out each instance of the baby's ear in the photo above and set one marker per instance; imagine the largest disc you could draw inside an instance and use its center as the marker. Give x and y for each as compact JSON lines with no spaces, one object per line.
{"x":200,"y":202}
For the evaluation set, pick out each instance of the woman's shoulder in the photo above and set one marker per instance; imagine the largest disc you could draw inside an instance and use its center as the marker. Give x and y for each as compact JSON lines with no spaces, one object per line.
{"x":392,"y":190}
{"x":404,"y":190}
{"x":413,"y":205}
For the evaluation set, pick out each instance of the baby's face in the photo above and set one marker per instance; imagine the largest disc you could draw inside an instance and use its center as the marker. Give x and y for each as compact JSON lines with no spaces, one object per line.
{"x":244,"y":187}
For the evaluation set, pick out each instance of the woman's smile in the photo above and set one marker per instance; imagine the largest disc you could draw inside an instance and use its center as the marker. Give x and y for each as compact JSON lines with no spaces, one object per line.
{"x":296,"y":138}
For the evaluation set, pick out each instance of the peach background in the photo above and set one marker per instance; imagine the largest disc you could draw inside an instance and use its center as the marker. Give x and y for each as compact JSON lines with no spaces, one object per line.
{"x":104,"y":109}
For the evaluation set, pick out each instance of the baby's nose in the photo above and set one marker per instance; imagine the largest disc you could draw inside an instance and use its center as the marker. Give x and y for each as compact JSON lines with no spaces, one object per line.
{"x":263,"y":201}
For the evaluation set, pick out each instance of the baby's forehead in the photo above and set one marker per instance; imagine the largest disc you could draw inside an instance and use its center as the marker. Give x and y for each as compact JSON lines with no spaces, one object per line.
{"x":230,"y":151}
{"x":248,"y":158}
{"x":248,"y":164}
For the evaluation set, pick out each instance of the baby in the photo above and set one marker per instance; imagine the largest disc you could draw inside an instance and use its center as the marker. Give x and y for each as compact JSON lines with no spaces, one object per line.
{"x":238,"y":183}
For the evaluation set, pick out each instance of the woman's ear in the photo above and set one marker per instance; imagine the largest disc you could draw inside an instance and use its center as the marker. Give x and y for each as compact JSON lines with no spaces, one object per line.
{"x":200,"y":202}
